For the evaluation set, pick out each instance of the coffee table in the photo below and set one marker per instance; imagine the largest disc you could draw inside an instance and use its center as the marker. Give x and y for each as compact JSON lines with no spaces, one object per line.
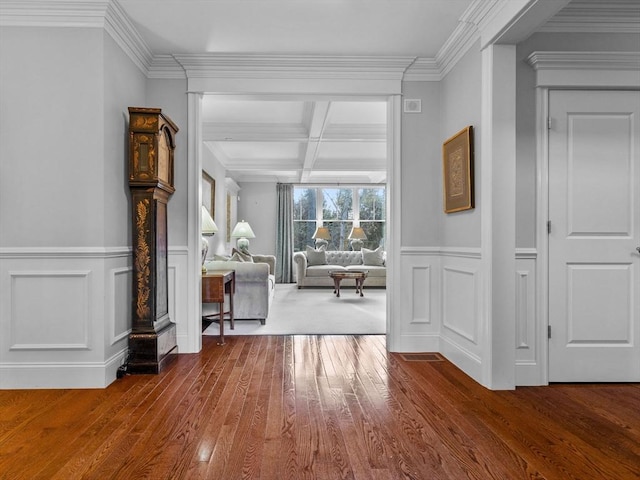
{"x":357,"y":275}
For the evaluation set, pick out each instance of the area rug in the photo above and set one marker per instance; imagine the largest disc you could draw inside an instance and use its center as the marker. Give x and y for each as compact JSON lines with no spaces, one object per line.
{"x":316,"y":311}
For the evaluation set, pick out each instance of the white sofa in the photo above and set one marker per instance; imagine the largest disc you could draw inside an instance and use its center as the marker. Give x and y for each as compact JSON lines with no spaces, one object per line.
{"x":310,"y":275}
{"x":255,"y":287}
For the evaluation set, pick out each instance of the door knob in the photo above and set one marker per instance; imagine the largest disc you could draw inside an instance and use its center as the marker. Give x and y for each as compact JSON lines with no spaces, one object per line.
{"x":638,"y":249}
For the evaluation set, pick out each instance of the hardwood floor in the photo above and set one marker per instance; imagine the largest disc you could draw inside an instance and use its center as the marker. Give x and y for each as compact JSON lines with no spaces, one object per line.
{"x":318,"y":407}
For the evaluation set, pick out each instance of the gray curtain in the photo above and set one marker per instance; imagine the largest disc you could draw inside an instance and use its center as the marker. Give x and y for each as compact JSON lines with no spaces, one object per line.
{"x":284,"y":234}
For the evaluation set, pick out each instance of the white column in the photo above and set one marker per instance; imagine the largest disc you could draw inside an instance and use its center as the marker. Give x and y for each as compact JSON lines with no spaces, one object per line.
{"x":498,"y":197}
{"x":194,"y":199}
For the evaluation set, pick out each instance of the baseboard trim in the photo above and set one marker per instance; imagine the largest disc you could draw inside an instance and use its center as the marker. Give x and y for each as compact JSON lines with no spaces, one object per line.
{"x":61,"y":375}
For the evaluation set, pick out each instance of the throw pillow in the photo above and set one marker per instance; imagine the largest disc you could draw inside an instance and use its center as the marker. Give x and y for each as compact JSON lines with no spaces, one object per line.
{"x":316,"y":257}
{"x":374,"y":258}
{"x":221,"y":258}
{"x":237,"y":258}
{"x":246,"y":257}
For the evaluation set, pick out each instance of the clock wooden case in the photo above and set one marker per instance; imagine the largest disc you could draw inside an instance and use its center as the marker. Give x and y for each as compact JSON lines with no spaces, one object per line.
{"x":151,"y":149}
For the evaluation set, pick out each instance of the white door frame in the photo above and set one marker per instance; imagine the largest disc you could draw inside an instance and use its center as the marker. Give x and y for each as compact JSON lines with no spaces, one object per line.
{"x":381,"y":80}
{"x":565,"y":70}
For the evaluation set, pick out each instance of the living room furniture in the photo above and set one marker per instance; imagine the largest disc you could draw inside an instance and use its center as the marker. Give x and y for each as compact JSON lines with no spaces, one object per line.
{"x":255,"y":286}
{"x":338,"y":275}
{"x":314,"y":272}
{"x":208,"y":228}
{"x":243,"y":232}
{"x":151,"y":146}
{"x":214,"y":287}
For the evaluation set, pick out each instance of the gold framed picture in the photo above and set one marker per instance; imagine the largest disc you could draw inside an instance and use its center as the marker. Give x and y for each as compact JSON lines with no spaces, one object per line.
{"x":457,"y":171}
{"x":209,"y":193}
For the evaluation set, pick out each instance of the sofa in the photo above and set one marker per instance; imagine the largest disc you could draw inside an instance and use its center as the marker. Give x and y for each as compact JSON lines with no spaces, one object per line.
{"x":255,"y":286}
{"x":312,"y":266}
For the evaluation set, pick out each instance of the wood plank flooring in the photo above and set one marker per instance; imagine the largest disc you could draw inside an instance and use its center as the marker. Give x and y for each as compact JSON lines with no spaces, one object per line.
{"x":318,"y":407}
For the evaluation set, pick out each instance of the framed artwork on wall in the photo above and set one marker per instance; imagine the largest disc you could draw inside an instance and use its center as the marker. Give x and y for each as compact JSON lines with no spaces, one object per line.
{"x":457,"y":171}
{"x":209,"y":193}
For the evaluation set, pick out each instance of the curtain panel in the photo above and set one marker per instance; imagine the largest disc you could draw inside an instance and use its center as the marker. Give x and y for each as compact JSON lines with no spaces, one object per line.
{"x":284,"y":234}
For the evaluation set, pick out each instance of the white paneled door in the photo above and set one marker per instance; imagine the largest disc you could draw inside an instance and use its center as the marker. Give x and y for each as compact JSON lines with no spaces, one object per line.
{"x":594,"y":261}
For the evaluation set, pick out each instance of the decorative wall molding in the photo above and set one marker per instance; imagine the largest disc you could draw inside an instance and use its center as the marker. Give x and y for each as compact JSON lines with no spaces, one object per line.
{"x":60,"y":375}
{"x":596,"y":16}
{"x":466,"y":252}
{"x":123,"y":303}
{"x":460,"y":302}
{"x":421,"y":299}
{"x":256,"y":66}
{"x":119,"y":26}
{"x":64,"y":252}
{"x":36,"y":319}
{"x":584,"y":60}
{"x":108,"y":14}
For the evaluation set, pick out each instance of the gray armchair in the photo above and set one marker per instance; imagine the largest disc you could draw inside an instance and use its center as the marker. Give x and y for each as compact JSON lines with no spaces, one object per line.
{"x":255,"y":286}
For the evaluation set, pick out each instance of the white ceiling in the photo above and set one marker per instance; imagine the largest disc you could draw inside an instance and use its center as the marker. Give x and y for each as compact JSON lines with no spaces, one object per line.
{"x":300,"y":140}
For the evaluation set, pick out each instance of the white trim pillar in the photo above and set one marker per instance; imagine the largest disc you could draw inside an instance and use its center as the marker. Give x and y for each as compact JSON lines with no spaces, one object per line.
{"x":194,"y":200}
{"x":498,"y":197}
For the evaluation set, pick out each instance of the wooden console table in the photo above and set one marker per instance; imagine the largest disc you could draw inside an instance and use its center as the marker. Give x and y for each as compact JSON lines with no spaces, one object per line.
{"x":214,"y":287}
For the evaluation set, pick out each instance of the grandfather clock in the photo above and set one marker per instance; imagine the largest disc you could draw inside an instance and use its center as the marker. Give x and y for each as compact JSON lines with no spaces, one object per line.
{"x":151,"y":147}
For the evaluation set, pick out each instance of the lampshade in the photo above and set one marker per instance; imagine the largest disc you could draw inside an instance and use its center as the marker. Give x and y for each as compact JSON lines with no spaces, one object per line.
{"x":242,"y":230}
{"x":357,"y":233}
{"x":322,"y":233}
{"x":209,"y":227}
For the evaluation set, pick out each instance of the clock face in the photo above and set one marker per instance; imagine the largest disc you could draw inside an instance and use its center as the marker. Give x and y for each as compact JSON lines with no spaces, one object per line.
{"x":164,"y":157}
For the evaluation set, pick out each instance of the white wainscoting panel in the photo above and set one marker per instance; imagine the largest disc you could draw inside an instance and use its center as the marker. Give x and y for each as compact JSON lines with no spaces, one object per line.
{"x":62,"y":315}
{"x":460,"y":302}
{"x":420,"y":324}
{"x":121,"y":296}
{"x":528,"y":328}
{"x":462,"y":326}
{"x":421,"y":298}
{"x":49,"y":310}
{"x":178,"y":308}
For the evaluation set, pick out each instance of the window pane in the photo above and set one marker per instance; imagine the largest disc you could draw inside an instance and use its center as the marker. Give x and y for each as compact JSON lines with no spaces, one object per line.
{"x":337,"y":204}
{"x":304,"y":204}
{"x":303,"y":235}
{"x":372,"y":205}
{"x":375,"y":234}
{"x":339,"y":233}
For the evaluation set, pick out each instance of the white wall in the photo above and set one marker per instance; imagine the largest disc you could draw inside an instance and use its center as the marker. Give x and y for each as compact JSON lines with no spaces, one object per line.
{"x":422,"y":167}
{"x":65,"y":278}
{"x":217,"y":243}
{"x":258,"y":205}
{"x":460,"y":107}
{"x":52,"y":137}
{"x":170,"y":96}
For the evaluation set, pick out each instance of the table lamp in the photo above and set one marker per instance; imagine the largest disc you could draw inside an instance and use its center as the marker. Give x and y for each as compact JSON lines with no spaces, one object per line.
{"x":208,"y":228}
{"x":357,"y":237}
{"x":321,"y":237}
{"x":242,"y":231}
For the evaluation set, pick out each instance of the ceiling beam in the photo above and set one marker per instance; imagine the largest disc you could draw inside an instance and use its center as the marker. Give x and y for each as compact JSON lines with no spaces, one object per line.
{"x":317,"y":124}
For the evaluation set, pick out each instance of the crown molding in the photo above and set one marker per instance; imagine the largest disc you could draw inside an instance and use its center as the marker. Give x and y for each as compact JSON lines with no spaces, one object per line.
{"x":106,"y":14}
{"x":596,"y":16}
{"x":423,"y":70}
{"x":292,"y":66}
{"x":118,"y":25}
{"x":53,"y":13}
{"x":585,"y":60}
{"x":165,"y":66}
{"x":464,"y":36}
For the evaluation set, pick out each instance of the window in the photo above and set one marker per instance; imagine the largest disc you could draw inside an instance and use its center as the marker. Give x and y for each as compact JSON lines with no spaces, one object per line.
{"x":339,"y":209}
